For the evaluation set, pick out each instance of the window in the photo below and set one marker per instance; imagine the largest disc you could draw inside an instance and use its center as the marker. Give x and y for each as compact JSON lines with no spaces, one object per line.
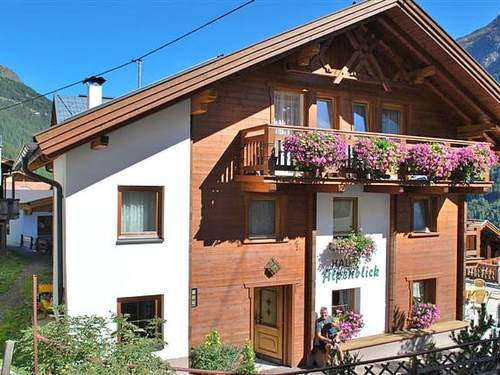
{"x":423,"y":215}
{"x":470,"y":242}
{"x":262,"y":217}
{"x":139,"y":212}
{"x":325,"y":112}
{"x":288,"y":108}
{"x":346,"y":300}
{"x":391,"y":121}
{"x":345,"y":214}
{"x":141,"y":311}
{"x":44,"y":225}
{"x":360,"y":117}
{"x":424,"y":291}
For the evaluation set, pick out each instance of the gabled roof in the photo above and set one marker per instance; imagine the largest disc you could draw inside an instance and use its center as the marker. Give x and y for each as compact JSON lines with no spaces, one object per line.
{"x":66,"y":107}
{"x":482,"y":90}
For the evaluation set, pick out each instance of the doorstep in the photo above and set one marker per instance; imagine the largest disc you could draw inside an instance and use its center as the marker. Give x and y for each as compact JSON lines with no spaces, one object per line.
{"x":386,"y":338}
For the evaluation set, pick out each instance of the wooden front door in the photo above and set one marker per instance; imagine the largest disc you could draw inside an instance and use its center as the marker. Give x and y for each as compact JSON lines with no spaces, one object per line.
{"x":269,"y":323}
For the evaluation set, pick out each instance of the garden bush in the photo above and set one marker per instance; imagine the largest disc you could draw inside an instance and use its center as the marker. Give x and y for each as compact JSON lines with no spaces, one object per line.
{"x":212,"y":354}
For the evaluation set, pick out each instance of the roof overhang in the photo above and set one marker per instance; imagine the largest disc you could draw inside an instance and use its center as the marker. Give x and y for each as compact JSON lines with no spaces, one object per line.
{"x":121,"y":111}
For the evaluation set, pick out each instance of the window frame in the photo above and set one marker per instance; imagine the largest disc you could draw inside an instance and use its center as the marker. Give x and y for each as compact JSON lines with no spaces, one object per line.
{"x":394,"y":107}
{"x":333,"y":110}
{"x":431,"y":216}
{"x":279,"y":214}
{"x":355,"y":213}
{"x":304,"y":110}
{"x":433,"y":281}
{"x":157,"y":298}
{"x":151,"y":235}
{"x":368,"y":114}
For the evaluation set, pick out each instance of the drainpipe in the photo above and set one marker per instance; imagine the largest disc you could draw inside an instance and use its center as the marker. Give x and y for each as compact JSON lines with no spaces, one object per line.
{"x":26,"y":155}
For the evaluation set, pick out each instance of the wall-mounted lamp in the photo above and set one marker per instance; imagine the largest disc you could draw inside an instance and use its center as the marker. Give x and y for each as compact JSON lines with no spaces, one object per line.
{"x":99,"y":143}
{"x":194,"y":297}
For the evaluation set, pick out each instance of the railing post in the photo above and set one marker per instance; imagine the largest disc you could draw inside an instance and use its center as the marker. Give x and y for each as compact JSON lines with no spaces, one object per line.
{"x":414,"y":364}
{"x":266,"y":151}
{"x":7,"y":357}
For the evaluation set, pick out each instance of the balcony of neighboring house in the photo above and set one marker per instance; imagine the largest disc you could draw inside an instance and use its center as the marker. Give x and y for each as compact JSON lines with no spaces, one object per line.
{"x":9,"y":209}
{"x":273,"y":158}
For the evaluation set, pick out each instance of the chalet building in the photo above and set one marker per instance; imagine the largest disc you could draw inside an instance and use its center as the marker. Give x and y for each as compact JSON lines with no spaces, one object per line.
{"x":180,"y":201}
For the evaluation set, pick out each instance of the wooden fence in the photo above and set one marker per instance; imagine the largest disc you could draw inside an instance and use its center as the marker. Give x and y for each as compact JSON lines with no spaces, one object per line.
{"x":487,"y":271}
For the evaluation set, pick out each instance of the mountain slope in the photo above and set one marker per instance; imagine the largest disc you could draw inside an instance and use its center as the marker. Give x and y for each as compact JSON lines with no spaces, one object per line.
{"x":484,"y":46}
{"x":18,"y":124}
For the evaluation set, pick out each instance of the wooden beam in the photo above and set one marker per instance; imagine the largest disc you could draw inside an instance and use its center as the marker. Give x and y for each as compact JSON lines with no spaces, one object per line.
{"x":469,"y":189}
{"x":327,"y":188}
{"x":200,"y":100}
{"x":476,"y":130}
{"x":427,"y":189}
{"x":307,"y":53}
{"x":403,"y":38}
{"x":419,"y":75}
{"x":387,"y":189}
{"x":448,"y":101}
{"x":258,"y":187}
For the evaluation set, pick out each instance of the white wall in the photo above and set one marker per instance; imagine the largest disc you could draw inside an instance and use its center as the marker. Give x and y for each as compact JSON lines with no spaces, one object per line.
{"x":373,"y":220}
{"x":25,"y":224}
{"x":152,"y":151}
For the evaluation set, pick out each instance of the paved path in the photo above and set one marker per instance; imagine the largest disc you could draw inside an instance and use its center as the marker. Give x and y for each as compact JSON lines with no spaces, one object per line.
{"x":13,"y":297}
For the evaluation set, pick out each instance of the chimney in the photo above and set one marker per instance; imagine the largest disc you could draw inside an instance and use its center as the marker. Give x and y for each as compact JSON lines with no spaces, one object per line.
{"x":94,"y":91}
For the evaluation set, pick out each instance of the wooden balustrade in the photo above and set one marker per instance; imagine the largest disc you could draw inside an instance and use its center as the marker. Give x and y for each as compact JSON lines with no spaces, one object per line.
{"x":262,"y":151}
{"x":483,"y":270}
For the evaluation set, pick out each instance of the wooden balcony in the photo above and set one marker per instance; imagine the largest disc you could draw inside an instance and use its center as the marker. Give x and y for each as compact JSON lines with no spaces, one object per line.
{"x":265,"y":167}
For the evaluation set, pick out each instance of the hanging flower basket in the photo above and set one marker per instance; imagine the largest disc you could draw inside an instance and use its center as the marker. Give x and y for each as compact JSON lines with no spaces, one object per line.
{"x":316,"y":153}
{"x":350,"y":324}
{"x":376,"y":159}
{"x":354,"y":248}
{"x":423,"y":315}
{"x":434,"y":161}
{"x":472,"y":163}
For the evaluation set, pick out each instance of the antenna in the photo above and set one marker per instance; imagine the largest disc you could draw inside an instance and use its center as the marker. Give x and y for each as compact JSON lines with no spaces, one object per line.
{"x":139,"y":72}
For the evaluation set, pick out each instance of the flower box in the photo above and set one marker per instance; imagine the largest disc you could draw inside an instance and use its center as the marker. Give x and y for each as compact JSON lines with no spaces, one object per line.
{"x":423,"y":315}
{"x":376,"y":158}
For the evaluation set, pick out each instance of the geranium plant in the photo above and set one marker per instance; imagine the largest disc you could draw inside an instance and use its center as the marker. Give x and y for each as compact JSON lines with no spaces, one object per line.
{"x":472,"y":163}
{"x":423,"y":315}
{"x":376,"y":158}
{"x":316,"y":151}
{"x":435,"y":161}
{"x":355,"y":247}
{"x":349,"y":323}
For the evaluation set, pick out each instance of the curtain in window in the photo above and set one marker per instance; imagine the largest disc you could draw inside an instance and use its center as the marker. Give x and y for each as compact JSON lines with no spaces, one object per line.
{"x":420,"y":216}
{"x":262,"y":220}
{"x":418,"y":291}
{"x":391,"y":120}
{"x":360,"y":117}
{"x":342,"y":215}
{"x":288,"y":108}
{"x":138,"y":211}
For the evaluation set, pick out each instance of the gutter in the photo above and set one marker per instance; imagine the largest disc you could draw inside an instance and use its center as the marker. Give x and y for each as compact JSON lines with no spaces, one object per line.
{"x":28,"y":153}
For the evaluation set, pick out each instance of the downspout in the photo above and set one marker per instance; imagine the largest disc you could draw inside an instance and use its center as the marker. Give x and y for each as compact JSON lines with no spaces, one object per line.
{"x":59,"y":217}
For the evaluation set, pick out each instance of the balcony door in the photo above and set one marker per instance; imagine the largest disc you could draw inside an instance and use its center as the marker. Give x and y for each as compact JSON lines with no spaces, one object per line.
{"x":269,"y":323}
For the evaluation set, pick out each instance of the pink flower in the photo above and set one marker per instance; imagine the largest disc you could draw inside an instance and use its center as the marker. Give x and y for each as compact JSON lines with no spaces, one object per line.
{"x":423,"y":315}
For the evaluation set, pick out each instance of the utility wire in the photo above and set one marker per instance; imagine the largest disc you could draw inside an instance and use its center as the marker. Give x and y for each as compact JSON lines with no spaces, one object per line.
{"x":134,"y":60}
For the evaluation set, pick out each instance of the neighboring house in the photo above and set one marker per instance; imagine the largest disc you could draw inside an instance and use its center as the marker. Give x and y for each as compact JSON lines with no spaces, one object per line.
{"x":35,"y":215}
{"x":482,"y":239}
{"x":179,"y":202}
{"x":64,"y":107}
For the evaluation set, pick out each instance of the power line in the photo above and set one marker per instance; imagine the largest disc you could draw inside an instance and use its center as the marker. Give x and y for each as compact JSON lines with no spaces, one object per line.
{"x":134,"y":60}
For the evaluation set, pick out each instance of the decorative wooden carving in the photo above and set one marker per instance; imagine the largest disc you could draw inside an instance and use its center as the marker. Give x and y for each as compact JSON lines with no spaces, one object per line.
{"x":200,"y":100}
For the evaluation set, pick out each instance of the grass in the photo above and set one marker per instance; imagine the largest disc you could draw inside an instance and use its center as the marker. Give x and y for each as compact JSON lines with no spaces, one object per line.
{"x":11,"y":266}
{"x":17,"y":319}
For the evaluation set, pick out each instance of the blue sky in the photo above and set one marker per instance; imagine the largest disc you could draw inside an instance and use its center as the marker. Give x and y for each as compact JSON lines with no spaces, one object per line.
{"x":50,"y":43}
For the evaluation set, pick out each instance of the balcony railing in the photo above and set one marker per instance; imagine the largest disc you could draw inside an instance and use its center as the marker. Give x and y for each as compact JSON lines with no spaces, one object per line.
{"x":262,"y":151}
{"x":9,"y":208}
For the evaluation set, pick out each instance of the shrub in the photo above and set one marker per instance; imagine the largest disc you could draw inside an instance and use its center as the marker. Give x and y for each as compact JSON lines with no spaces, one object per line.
{"x":473,"y":163}
{"x":436,"y":161}
{"x":212,"y":354}
{"x":423,"y":315}
{"x":88,"y":345}
{"x":376,"y":157}
{"x":355,"y":247}
{"x":350,"y":324}
{"x":316,"y":151}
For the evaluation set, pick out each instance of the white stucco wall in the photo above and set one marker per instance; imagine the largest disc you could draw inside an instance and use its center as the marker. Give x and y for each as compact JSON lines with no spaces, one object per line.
{"x":153,"y":151}
{"x":25,"y":224}
{"x":373,"y":220}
